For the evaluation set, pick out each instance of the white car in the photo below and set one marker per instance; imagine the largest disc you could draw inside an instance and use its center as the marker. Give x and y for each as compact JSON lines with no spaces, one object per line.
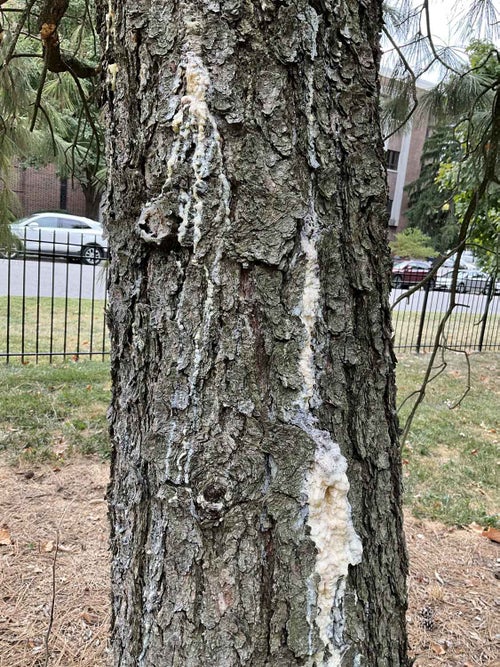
{"x":468,"y":281}
{"x":449,"y":264}
{"x":61,"y":234}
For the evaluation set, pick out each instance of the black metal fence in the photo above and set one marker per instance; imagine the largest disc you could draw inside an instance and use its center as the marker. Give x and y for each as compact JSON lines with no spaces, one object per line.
{"x":53,"y":305}
{"x":473,"y":324}
{"x":54,"y":308}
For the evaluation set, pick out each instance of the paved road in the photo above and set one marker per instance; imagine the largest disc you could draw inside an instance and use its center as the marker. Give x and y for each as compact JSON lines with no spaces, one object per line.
{"x":61,"y":279}
{"x":439,"y":301}
{"x":52,"y":278}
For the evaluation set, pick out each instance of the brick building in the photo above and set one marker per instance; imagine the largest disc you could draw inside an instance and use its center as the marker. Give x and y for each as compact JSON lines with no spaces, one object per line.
{"x":42,"y":190}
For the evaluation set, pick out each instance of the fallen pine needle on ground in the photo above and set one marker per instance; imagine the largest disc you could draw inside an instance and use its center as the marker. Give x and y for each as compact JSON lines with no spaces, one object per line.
{"x":47,"y":511}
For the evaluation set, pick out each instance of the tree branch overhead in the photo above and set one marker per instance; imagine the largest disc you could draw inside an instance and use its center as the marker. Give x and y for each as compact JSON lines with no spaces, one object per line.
{"x":56,"y":60}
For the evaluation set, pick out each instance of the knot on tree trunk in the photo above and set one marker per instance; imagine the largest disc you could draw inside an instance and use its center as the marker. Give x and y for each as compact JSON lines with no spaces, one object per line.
{"x":212,"y":501}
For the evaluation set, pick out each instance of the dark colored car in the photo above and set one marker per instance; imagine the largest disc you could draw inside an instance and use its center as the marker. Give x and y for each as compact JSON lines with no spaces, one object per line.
{"x":410,"y":272}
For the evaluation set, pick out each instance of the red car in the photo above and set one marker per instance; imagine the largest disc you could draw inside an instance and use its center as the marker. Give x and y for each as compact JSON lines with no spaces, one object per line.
{"x":410,"y":272}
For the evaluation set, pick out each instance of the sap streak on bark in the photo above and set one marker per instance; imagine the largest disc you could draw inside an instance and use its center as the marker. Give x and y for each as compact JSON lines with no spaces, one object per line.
{"x":252,"y":416}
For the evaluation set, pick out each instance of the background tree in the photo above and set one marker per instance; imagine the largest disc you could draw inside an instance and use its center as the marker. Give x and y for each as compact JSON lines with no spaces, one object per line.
{"x":413,"y":243}
{"x":48,"y":112}
{"x":464,"y":108}
{"x":75,"y":143}
{"x":255,"y":494}
{"x":456,"y":181}
{"x":429,"y":206}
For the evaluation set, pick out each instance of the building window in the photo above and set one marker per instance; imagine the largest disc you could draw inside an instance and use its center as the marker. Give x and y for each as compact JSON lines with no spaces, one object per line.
{"x":392,"y":159}
{"x":389,"y":205}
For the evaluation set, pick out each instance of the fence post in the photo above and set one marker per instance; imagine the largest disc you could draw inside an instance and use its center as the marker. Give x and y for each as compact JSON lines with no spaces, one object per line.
{"x":422,"y":317}
{"x":485,"y":315}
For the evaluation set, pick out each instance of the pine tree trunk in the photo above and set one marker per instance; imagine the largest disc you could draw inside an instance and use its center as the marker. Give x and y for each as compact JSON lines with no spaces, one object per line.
{"x":92,"y":202}
{"x":255,"y":494}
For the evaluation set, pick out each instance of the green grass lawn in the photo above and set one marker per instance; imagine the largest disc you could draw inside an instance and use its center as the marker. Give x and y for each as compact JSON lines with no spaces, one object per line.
{"x":49,"y":412}
{"x":52,"y":326}
{"x":451,"y":457}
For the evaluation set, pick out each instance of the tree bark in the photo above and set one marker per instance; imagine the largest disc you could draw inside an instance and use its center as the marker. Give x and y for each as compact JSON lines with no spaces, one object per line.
{"x":93,"y":198}
{"x":255,"y":499}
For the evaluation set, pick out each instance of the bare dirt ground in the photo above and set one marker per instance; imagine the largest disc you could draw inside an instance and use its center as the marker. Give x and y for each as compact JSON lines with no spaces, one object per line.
{"x":54,"y":564}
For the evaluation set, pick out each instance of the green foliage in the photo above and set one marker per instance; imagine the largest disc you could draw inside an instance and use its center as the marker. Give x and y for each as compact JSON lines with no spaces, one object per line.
{"x":484,"y":59}
{"x":457,"y":181}
{"x":460,"y":159}
{"x":15,"y":138}
{"x":414,"y":243}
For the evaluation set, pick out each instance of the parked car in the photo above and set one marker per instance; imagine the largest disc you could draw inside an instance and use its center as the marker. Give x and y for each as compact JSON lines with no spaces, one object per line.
{"x":410,"y":272}
{"x":449,"y":264}
{"x":473,"y":281}
{"x":60,"y":234}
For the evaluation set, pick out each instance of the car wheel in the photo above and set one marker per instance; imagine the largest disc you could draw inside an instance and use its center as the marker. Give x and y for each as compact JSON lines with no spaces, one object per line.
{"x":92,"y":254}
{"x":397,"y":282}
{"x":432,"y":284}
{"x":461,"y":288}
{"x":8,"y":254}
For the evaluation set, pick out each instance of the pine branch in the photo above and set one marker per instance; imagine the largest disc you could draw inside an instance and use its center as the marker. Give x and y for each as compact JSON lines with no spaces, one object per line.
{"x":50,"y":16}
{"x":24,"y":17}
